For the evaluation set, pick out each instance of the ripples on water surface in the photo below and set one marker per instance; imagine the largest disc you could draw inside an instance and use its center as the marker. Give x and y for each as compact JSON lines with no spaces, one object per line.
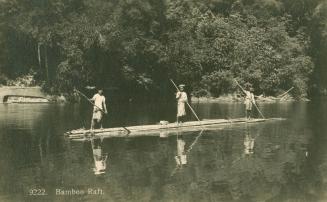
{"x":271,"y":161}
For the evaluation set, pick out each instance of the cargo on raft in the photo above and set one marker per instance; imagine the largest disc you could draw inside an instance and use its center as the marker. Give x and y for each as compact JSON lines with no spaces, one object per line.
{"x":162,"y":129}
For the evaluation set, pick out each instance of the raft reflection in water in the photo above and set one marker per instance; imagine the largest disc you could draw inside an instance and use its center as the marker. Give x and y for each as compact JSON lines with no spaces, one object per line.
{"x":99,"y":157}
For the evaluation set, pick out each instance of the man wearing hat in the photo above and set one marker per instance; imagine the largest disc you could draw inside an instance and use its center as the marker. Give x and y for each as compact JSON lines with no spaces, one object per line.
{"x":249,"y":101}
{"x":181,"y":97}
{"x":99,"y":108}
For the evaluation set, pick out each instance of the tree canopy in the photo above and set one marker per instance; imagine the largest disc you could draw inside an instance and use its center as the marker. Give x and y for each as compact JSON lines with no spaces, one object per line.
{"x":136,"y":46}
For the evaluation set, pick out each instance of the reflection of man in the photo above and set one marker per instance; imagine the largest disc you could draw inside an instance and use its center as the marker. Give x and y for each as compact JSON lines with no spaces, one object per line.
{"x":181,"y":97}
{"x":98,"y":156}
{"x":181,"y":155}
{"x":248,"y":143}
{"x":99,"y":108}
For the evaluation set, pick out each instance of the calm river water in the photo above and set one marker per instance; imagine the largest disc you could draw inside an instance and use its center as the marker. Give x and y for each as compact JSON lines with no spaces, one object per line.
{"x":274,"y":161}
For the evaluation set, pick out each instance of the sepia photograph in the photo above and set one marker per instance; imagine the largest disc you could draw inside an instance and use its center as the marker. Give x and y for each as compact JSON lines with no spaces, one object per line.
{"x":163,"y":100}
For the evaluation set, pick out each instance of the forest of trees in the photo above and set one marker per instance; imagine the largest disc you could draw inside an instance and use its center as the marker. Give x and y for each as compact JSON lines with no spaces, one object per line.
{"x":135,"y":46}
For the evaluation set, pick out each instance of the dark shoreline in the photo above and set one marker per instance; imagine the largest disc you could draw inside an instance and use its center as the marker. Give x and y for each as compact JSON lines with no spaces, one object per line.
{"x":233,"y":98}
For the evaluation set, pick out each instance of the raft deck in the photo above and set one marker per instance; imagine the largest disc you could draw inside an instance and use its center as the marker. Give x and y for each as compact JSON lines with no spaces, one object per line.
{"x":158,"y":129}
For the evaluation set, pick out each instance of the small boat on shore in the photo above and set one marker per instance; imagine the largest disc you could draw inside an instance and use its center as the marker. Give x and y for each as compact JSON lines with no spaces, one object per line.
{"x":160,"y":129}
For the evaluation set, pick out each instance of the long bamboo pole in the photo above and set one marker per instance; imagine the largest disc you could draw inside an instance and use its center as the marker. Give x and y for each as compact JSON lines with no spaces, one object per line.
{"x":282,"y":95}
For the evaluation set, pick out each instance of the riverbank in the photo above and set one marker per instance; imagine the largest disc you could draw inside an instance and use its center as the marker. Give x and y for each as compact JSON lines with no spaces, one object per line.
{"x":36,"y":94}
{"x":238,"y":98}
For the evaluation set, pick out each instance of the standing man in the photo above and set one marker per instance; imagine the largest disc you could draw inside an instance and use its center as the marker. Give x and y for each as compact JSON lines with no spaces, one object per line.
{"x":181,"y":97}
{"x":99,"y":108}
{"x":249,"y":101}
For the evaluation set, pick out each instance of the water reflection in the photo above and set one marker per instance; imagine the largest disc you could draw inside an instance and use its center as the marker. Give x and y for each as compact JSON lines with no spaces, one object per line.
{"x":99,"y":157}
{"x":181,"y":158}
{"x":163,"y":134}
{"x":248,"y":142}
{"x":181,"y":152}
{"x":271,"y":161}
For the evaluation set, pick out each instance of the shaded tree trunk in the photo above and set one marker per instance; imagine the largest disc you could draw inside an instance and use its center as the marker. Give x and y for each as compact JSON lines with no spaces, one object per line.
{"x":39,"y":54}
{"x":46,"y":63}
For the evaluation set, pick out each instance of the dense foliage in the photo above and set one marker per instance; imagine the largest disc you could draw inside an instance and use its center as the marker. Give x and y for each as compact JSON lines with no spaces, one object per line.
{"x":136,"y":46}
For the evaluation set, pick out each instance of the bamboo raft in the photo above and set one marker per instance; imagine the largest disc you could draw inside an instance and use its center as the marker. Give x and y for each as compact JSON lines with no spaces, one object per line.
{"x":161,"y":130}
